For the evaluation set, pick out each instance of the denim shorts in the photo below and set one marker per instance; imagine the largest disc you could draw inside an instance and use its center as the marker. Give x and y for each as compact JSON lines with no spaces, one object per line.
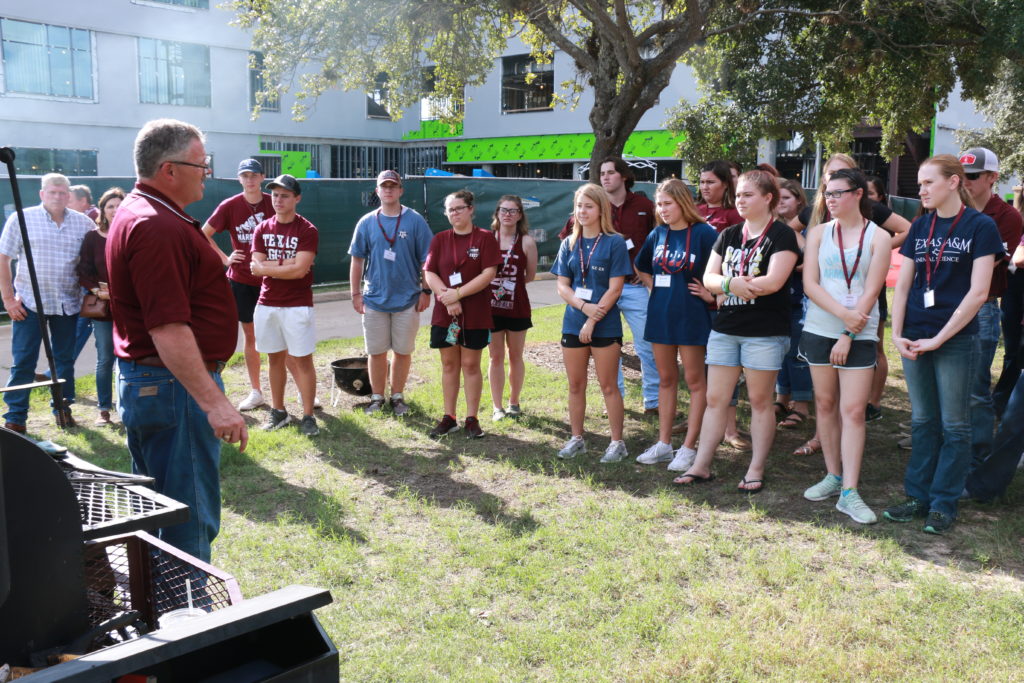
{"x":752,"y":353}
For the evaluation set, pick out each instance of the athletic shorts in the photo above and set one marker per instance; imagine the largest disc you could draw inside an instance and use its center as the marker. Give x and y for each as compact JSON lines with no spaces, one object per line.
{"x":246,"y":297}
{"x":383,"y":332}
{"x":285,"y":328}
{"x":752,"y":353}
{"x":815,"y":350}
{"x":468,"y":339}
{"x":503,"y":323}
{"x":572,"y":341}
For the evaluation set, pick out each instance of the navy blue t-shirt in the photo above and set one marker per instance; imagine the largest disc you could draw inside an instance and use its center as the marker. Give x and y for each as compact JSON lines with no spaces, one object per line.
{"x":674,"y":314}
{"x":975,"y":236}
{"x":610,"y":259}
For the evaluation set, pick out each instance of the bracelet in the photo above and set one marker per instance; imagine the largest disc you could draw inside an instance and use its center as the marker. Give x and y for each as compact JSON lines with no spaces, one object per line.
{"x":458,"y":293}
{"x":725,"y":285}
{"x":582,"y":306}
{"x":355,"y":294}
{"x":849,"y":334}
{"x":426,"y":290}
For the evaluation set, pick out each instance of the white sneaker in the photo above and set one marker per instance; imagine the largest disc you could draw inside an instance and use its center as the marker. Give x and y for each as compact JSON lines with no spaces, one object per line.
{"x":615,"y":452}
{"x":852,"y":504}
{"x":252,"y":401}
{"x":683,"y":460}
{"x":572,"y":448}
{"x":659,"y":452}
{"x":316,"y":403}
{"x":825,"y":489}
{"x":498,"y":415}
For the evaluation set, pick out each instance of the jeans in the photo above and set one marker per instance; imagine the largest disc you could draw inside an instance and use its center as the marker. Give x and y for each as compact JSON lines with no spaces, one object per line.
{"x":171,"y":440}
{"x":994,"y":474}
{"x":83,"y":328}
{"x":25,"y":341}
{"x":1012,"y":306}
{"x":983,"y":418}
{"x":795,"y":377}
{"x":633,"y":304}
{"x":939,"y":386}
{"x":104,"y":363}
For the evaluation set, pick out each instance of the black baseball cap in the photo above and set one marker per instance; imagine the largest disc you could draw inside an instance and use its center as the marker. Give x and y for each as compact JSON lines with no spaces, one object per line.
{"x":285,"y":182}
{"x":250,"y":166}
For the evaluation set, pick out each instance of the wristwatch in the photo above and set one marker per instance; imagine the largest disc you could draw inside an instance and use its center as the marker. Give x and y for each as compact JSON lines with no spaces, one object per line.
{"x":425,"y":290}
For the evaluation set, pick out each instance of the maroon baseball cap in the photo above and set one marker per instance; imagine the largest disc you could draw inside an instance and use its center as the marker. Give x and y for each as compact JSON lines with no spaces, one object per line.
{"x":389,"y":177}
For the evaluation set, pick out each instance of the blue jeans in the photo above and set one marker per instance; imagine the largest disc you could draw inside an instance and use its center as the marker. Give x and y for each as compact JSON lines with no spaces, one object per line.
{"x":171,"y":440}
{"x":940,"y":425}
{"x":994,"y":474}
{"x":104,"y":363}
{"x":25,"y":341}
{"x":83,"y":328}
{"x":633,"y":304}
{"x":795,"y":377}
{"x":983,"y":418}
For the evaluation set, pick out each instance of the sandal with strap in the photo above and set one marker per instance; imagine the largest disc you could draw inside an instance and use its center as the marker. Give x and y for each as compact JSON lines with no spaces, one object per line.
{"x":810,"y":447}
{"x":793,"y":418}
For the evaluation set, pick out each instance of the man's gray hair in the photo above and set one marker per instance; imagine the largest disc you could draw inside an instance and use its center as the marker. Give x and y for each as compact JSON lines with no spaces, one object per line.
{"x":161,"y":140}
{"x":82,"y":192}
{"x":54,"y":179}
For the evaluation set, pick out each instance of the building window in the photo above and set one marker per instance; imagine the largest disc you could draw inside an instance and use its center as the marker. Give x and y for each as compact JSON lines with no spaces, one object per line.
{"x":174,"y":73}
{"x":47,"y":60}
{"x":526,"y":85}
{"x":377,"y":99}
{"x":434,"y":107}
{"x":366,"y":161}
{"x":40,"y":161}
{"x":195,"y":4}
{"x":257,"y":84}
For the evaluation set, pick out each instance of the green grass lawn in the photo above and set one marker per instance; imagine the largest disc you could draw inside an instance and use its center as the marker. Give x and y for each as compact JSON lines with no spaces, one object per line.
{"x":493,"y":560}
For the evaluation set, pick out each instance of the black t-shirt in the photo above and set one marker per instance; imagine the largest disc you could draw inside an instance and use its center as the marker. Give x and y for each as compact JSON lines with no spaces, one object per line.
{"x":880,"y":213}
{"x":765,"y":316}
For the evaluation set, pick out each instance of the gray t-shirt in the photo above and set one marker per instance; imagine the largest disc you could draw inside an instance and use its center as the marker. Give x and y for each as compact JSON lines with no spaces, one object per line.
{"x":391,"y":285}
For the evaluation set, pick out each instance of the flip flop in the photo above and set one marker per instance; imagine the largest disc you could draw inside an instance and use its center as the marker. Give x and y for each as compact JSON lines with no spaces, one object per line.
{"x":792,"y":419}
{"x":751,"y":481}
{"x":694,"y":479}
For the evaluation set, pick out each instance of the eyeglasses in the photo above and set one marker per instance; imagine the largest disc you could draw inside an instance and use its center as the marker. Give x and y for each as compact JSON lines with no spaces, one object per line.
{"x":207,"y":170}
{"x":836,"y":194}
{"x":508,"y":212}
{"x":452,"y":210}
{"x":972,"y":176}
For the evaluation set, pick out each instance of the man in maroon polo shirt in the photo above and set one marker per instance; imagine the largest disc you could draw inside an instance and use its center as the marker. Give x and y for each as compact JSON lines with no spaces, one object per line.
{"x":174,"y":326}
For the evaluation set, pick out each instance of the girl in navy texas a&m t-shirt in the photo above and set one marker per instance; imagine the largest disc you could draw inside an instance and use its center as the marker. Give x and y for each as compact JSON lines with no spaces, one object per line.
{"x":603,"y":257}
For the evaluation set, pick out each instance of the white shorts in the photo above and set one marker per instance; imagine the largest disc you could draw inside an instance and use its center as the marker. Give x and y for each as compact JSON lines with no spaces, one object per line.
{"x":383,"y":332}
{"x":291,"y":328}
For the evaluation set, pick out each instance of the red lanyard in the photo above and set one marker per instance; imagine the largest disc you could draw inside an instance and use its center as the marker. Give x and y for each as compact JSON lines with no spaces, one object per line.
{"x":842,"y":252}
{"x":455,"y":255}
{"x":394,"y":235}
{"x":663,"y":261}
{"x":929,"y":269}
{"x":745,"y":260}
{"x":585,"y":267}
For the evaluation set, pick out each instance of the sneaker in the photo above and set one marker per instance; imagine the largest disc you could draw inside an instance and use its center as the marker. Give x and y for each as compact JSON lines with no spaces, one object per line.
{"x":308,"y":426}
{"x":317,"y":405}
{"x":850,"y":503}
{"x":472,"y":428}
{"x":683,"y":460}
{"x":937,"y":523}
{"x":825,"y":489}
{"x":447,"y":425}
{"x":573,"y":447}
{"x":252,"y":401}
{"x":376,"y":404}
{"x":276,"y":420}
{"x":514,"y":410}
{"x":659,"y":452}
{"x":498,"y":414}
{"x":871,"y":413}
{"x":906,"y":443}
{"x":615,"y":452}
{"x":398,"y":405}
{"x":906,"y":511}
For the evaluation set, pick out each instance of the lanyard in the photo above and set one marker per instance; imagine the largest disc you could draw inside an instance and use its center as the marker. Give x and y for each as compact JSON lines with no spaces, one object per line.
{"x":745,"y":260}
{"x":848,"y":276}
{"x":663,"y":261}
{"x":929,"y":269}
{"x":508,"y":254}
{"x":394,"y":235}
{"x":585,"y":267}
{"x":456,"y":263}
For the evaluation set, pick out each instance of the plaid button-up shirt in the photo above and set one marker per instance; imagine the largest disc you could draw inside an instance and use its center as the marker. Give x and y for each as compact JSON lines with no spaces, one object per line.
{"x":55,"y":254}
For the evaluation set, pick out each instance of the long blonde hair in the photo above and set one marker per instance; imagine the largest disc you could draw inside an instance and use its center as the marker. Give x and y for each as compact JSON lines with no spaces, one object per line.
{"x":596,"y":194}
{"x":949,"y":166}
{"x":676,"y":190}
{"x":819,"y":211}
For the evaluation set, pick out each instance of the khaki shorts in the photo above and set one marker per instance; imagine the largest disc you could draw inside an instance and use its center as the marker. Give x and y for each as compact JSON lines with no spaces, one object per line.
{"x":285,"y":328}
{"x":383,"y":332}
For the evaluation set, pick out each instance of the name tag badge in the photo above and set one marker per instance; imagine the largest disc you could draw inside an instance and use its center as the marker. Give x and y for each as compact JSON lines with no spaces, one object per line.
{"x":389,"y":254}
{"x":929,"y":298}
{"x":693,"y":258}
{"x":849,"y":300}
{"x":629,"y":244}
{"x":509,"y":285}
{"x":455,"y":279}
{"x":584,"y":293}
{"x":663,"y":280}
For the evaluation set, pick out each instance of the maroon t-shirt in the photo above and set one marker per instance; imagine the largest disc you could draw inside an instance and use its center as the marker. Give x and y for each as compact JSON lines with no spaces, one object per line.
{"x":283,"y":241}
{"x":511,"y":302}
{"x":1009,"y":222}
{"x":470,"y":255}
{"x":634,"y":220}
{"x":240,"y":218}
{"x":163,"y":271}
{"x":719,"y":217}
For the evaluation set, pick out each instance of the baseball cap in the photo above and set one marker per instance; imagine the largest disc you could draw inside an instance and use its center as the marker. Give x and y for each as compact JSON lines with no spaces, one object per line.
{"x":389,"y":176}
{"x":285,"y":182}
{"x":979,"y":160}
{"x":250,"y":166}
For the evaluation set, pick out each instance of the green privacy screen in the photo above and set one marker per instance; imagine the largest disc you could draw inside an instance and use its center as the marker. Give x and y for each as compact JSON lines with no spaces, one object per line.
{"x":561,"y":147}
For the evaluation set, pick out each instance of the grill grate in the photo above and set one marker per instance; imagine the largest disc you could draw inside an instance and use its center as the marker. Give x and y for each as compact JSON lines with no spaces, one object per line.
{"x":101,"y":502}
